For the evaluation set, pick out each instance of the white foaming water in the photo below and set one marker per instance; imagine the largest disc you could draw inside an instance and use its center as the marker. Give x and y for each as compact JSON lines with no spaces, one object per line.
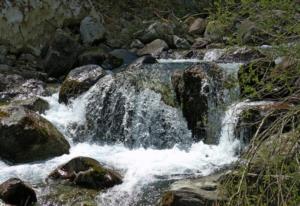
{"x":139,"y":167}
{"x":166,"y":61}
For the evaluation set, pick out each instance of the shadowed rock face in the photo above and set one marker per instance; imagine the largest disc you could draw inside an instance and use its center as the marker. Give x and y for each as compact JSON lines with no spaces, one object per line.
{"x":196,"y":95}
{"x":15,"y":192}
{"x":25,"y":136}
{"x":86,"y":172}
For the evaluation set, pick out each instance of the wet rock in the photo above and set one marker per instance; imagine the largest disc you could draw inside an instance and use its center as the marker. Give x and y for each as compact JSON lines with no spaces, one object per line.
{"x":155,"y":48}
{"x":194,"y":94}
{"x":62,"y":194}
{"x":198,"y":26}
{"x":16,"y":87}
{"x":25,"y":136}
{"x":135,"y":107}
{"x":148,"y":59}
{"x":15,"y":192}
{"x":136,"y":44}
{"x":79,"y":80}
{"x":181,"y":43}
{"x":61,"y":54}
{"x":36,"y":104}
{"x":215,"y":31}
{"x":99,"y":57}
{"x":91,"y":30}
{"x":126,"y":56}
{"x":86,"y":172}
{"x":204,"y":191}
{"x":158,"y":30}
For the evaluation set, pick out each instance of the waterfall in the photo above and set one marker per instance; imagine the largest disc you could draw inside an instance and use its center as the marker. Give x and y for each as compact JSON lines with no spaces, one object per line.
{"x":130,"y":108}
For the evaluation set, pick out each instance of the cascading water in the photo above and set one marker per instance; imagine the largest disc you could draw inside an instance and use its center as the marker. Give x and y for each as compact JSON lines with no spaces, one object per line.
{"x":146,"y":171}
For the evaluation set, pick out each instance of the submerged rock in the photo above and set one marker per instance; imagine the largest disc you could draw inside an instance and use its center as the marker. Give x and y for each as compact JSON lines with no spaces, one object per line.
{"x":204,"y":191}
{"x":25,"y":136}
{"x":79,"y":80}
{"x":197,"y":89}
{"x":15,"y":192}
{"x":86,"y":172}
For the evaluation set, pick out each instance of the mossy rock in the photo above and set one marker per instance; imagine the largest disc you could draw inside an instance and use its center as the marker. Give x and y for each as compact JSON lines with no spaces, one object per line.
{"x":79,"y":81}
{"x":87,"y":173}
{"x":25,"y":136}
{"x":62,"y":194}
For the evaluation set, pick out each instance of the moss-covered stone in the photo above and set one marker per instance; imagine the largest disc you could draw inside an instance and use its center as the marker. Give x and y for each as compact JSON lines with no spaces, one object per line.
{"x":25,"y":136}
{"x":87,"y":173}
{"x":79,"y":81}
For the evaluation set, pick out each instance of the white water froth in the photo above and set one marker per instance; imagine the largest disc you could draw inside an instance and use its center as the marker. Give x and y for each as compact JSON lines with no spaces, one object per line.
{"x":139,"y":167}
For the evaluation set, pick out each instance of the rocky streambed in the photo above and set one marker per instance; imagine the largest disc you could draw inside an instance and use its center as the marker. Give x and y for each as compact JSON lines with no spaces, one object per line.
{"x":104,"y":110}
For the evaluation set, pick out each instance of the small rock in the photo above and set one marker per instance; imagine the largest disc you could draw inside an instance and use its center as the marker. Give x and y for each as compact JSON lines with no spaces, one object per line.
{"x":91,"y":30}
{"x":158,"y":30}
{"x":136,"y":44}
{"x":15,"y":192}
{"x":79,"y":80}
{"x":181,"y":43}
{"x":26,"y":136}
{"x":198,"y":26}
{"x":87,"y":173}
{"x":154,"y":48}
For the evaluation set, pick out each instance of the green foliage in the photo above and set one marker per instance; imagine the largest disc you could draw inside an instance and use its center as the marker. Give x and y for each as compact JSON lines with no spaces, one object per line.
{"x":270,"y":21}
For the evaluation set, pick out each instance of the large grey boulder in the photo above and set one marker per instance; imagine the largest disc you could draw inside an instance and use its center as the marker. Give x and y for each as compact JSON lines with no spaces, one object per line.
{"x":79,"y":80}
{"x":26,"y":136}
{"x":91,"y":30}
